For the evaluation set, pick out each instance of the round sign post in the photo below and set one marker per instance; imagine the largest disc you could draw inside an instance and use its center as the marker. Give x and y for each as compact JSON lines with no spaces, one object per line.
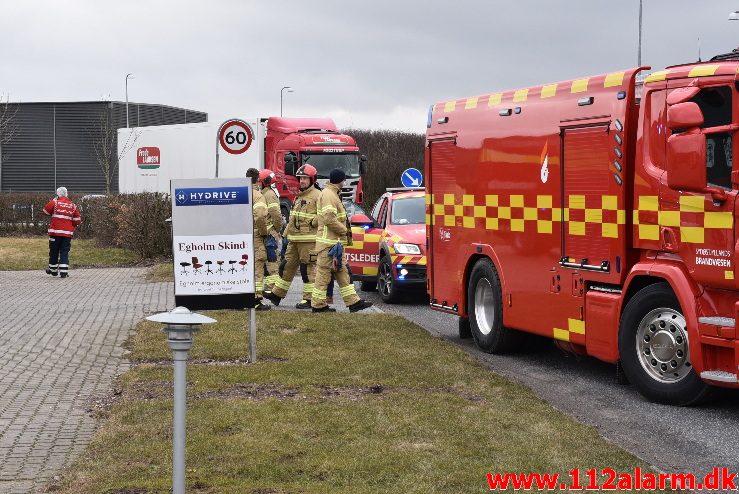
{"x":235,"y":136}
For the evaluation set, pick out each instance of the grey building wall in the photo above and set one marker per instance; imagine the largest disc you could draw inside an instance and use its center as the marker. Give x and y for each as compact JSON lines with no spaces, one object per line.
{"x":53,"y":142}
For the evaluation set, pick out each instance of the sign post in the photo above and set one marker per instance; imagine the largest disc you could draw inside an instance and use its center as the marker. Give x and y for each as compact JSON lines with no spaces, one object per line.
{"x":411,"y":177}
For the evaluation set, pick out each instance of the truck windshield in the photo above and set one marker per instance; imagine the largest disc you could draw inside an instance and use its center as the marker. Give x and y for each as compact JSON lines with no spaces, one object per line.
{"x":408,"y":211}
{"x":325,"y":162}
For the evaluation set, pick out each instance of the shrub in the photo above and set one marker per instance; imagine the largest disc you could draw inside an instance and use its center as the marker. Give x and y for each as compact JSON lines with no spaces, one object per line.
{"x":388,"y":152}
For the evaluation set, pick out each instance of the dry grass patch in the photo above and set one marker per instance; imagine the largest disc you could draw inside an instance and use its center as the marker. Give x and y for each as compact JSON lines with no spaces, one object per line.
{"x":28,"y":253}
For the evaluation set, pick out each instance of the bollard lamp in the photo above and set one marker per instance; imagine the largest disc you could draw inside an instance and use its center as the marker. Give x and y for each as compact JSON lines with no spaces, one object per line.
{"x":180,"y":324}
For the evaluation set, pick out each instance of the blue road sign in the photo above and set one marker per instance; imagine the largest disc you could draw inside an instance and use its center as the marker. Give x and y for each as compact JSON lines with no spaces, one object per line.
{"x":411,"y":177}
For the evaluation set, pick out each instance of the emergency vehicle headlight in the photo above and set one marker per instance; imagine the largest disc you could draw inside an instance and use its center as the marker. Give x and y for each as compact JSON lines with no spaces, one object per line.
{"x":407,"y":249}
{"x":403,"y":272}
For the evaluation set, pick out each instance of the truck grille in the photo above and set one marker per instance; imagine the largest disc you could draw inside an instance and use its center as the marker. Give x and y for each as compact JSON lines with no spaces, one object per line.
{"x":350,"y":191}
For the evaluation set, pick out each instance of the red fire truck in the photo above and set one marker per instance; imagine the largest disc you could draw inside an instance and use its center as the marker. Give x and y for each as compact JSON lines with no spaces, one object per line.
{"x":598,"y":212}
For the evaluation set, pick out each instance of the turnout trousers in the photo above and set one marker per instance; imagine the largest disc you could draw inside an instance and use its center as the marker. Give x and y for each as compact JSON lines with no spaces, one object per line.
{"x":59,"y":254}
{"x":297,"y":253}
{"x":260,"y":261}
{"x":323,"y":278}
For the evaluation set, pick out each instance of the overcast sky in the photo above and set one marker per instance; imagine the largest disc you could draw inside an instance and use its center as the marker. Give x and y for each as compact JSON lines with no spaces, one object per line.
{"x":375,"y":64}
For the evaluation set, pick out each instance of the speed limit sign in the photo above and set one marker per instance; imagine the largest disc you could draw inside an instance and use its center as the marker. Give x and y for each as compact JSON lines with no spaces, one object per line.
{"x":235,"y":136}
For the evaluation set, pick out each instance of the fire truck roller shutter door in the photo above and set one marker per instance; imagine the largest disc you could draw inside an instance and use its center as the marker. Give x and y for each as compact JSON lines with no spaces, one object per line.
{"x":485,"y":309}
{"x":653,"y":347}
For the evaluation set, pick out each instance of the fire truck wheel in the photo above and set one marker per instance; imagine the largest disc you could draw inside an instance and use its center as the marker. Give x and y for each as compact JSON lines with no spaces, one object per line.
{"x":653,"y":344}
{"x":485,"y":307}
{"x":386,"y":283}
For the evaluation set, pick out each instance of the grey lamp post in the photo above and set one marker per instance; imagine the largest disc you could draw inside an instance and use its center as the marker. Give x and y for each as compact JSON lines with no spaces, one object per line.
{"x":180,"y":324}
{"x":282,"y":91}
{"x":132,"y":77}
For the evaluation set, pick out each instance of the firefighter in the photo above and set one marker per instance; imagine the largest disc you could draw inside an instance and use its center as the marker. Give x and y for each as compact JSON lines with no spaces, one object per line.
{"x":65,"y":217}
{"x":301,"y":238}
{"x":333,"y":233}
{"x":274,"y":226}
{"x":261,"y":232}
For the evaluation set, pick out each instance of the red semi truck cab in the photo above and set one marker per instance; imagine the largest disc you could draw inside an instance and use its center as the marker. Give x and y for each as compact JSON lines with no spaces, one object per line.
{"x":598,"y":212}
{"x":292,"y":142}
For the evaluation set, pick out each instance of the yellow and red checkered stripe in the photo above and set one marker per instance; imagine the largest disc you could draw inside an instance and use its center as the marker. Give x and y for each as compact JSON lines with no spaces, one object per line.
{"x":400,"y":259}
{"x":518,"y":213}
{"x":574,"y":333}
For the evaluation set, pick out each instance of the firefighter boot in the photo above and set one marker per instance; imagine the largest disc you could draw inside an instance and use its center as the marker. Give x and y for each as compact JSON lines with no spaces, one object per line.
{"x":261,"y":305}
{"x":325,"y":308}
{"x":303,"y":304}
{"x":361,"y":305}
{"x":64,"y":275}
{"x":272,"y":298}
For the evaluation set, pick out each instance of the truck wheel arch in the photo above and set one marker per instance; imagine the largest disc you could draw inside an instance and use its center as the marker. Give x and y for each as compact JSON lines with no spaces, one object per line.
{"x":480,"y":251}
{"x":645,"y":274}
{"x":685,"y":289}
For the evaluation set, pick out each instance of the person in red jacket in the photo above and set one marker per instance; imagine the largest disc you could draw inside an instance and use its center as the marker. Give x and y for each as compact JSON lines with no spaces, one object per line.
{"x":65,"y":217}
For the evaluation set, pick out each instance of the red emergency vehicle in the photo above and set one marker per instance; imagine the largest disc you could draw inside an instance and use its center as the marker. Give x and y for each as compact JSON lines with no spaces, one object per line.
{"x":388,"y":250}
{"x":597,"y":212}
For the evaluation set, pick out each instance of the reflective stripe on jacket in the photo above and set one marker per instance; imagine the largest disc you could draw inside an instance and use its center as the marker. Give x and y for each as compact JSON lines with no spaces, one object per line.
{"x":331,"y":219}
{"x":65,"y":217}
{"x":303,"y":222}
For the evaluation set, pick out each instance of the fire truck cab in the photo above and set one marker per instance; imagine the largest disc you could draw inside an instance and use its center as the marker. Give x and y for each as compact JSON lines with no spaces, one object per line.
{"x":598,"y":212}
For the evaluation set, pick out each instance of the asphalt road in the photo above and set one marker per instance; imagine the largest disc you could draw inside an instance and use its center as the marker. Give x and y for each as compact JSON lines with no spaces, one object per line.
{"x":672,"y":439}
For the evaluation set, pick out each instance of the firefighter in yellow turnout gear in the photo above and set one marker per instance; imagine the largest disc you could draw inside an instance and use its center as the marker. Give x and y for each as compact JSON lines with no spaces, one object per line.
{"x":301,"y":237}
{"x":259,"y":213}
{"x":333,"y":229}
{"x":274,"y":225}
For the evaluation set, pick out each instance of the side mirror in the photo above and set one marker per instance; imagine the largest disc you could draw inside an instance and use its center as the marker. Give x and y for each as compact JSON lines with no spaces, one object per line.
{"x":290,"y":162}
{"x":686,"y":165}
{"x":686,"y":162}
{"x":684,"y":116}
{"x":361,"y":220}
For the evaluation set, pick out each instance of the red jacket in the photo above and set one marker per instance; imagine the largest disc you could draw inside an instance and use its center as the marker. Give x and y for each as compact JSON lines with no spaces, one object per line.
{"x":65,"y":217}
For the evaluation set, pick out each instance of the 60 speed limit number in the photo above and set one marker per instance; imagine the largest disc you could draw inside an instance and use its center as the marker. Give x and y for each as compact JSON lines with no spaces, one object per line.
{"x":235,"y":136}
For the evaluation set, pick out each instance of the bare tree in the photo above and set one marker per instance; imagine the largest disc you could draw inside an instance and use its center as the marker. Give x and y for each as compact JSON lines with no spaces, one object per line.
{"x":104,"y":138}
{"x":8,"y":126}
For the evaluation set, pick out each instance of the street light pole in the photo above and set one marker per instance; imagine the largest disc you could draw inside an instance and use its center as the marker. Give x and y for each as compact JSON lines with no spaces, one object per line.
{"x":127,"y":76}
{"x":638,"y":63}
{"x":282,"y":91}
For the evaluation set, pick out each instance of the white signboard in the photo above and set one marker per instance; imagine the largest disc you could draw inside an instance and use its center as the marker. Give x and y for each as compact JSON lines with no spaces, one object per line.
{"x":212,"y":243}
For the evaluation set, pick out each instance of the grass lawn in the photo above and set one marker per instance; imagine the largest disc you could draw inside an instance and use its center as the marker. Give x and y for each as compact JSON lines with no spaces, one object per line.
{"x":25,"y":253}
{"x":161,"y":272}
{"x":335,"y":404}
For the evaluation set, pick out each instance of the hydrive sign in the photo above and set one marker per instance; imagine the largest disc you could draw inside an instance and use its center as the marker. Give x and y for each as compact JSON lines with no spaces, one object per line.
{"x":235,"y":136}
{"x":213,"y":243}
